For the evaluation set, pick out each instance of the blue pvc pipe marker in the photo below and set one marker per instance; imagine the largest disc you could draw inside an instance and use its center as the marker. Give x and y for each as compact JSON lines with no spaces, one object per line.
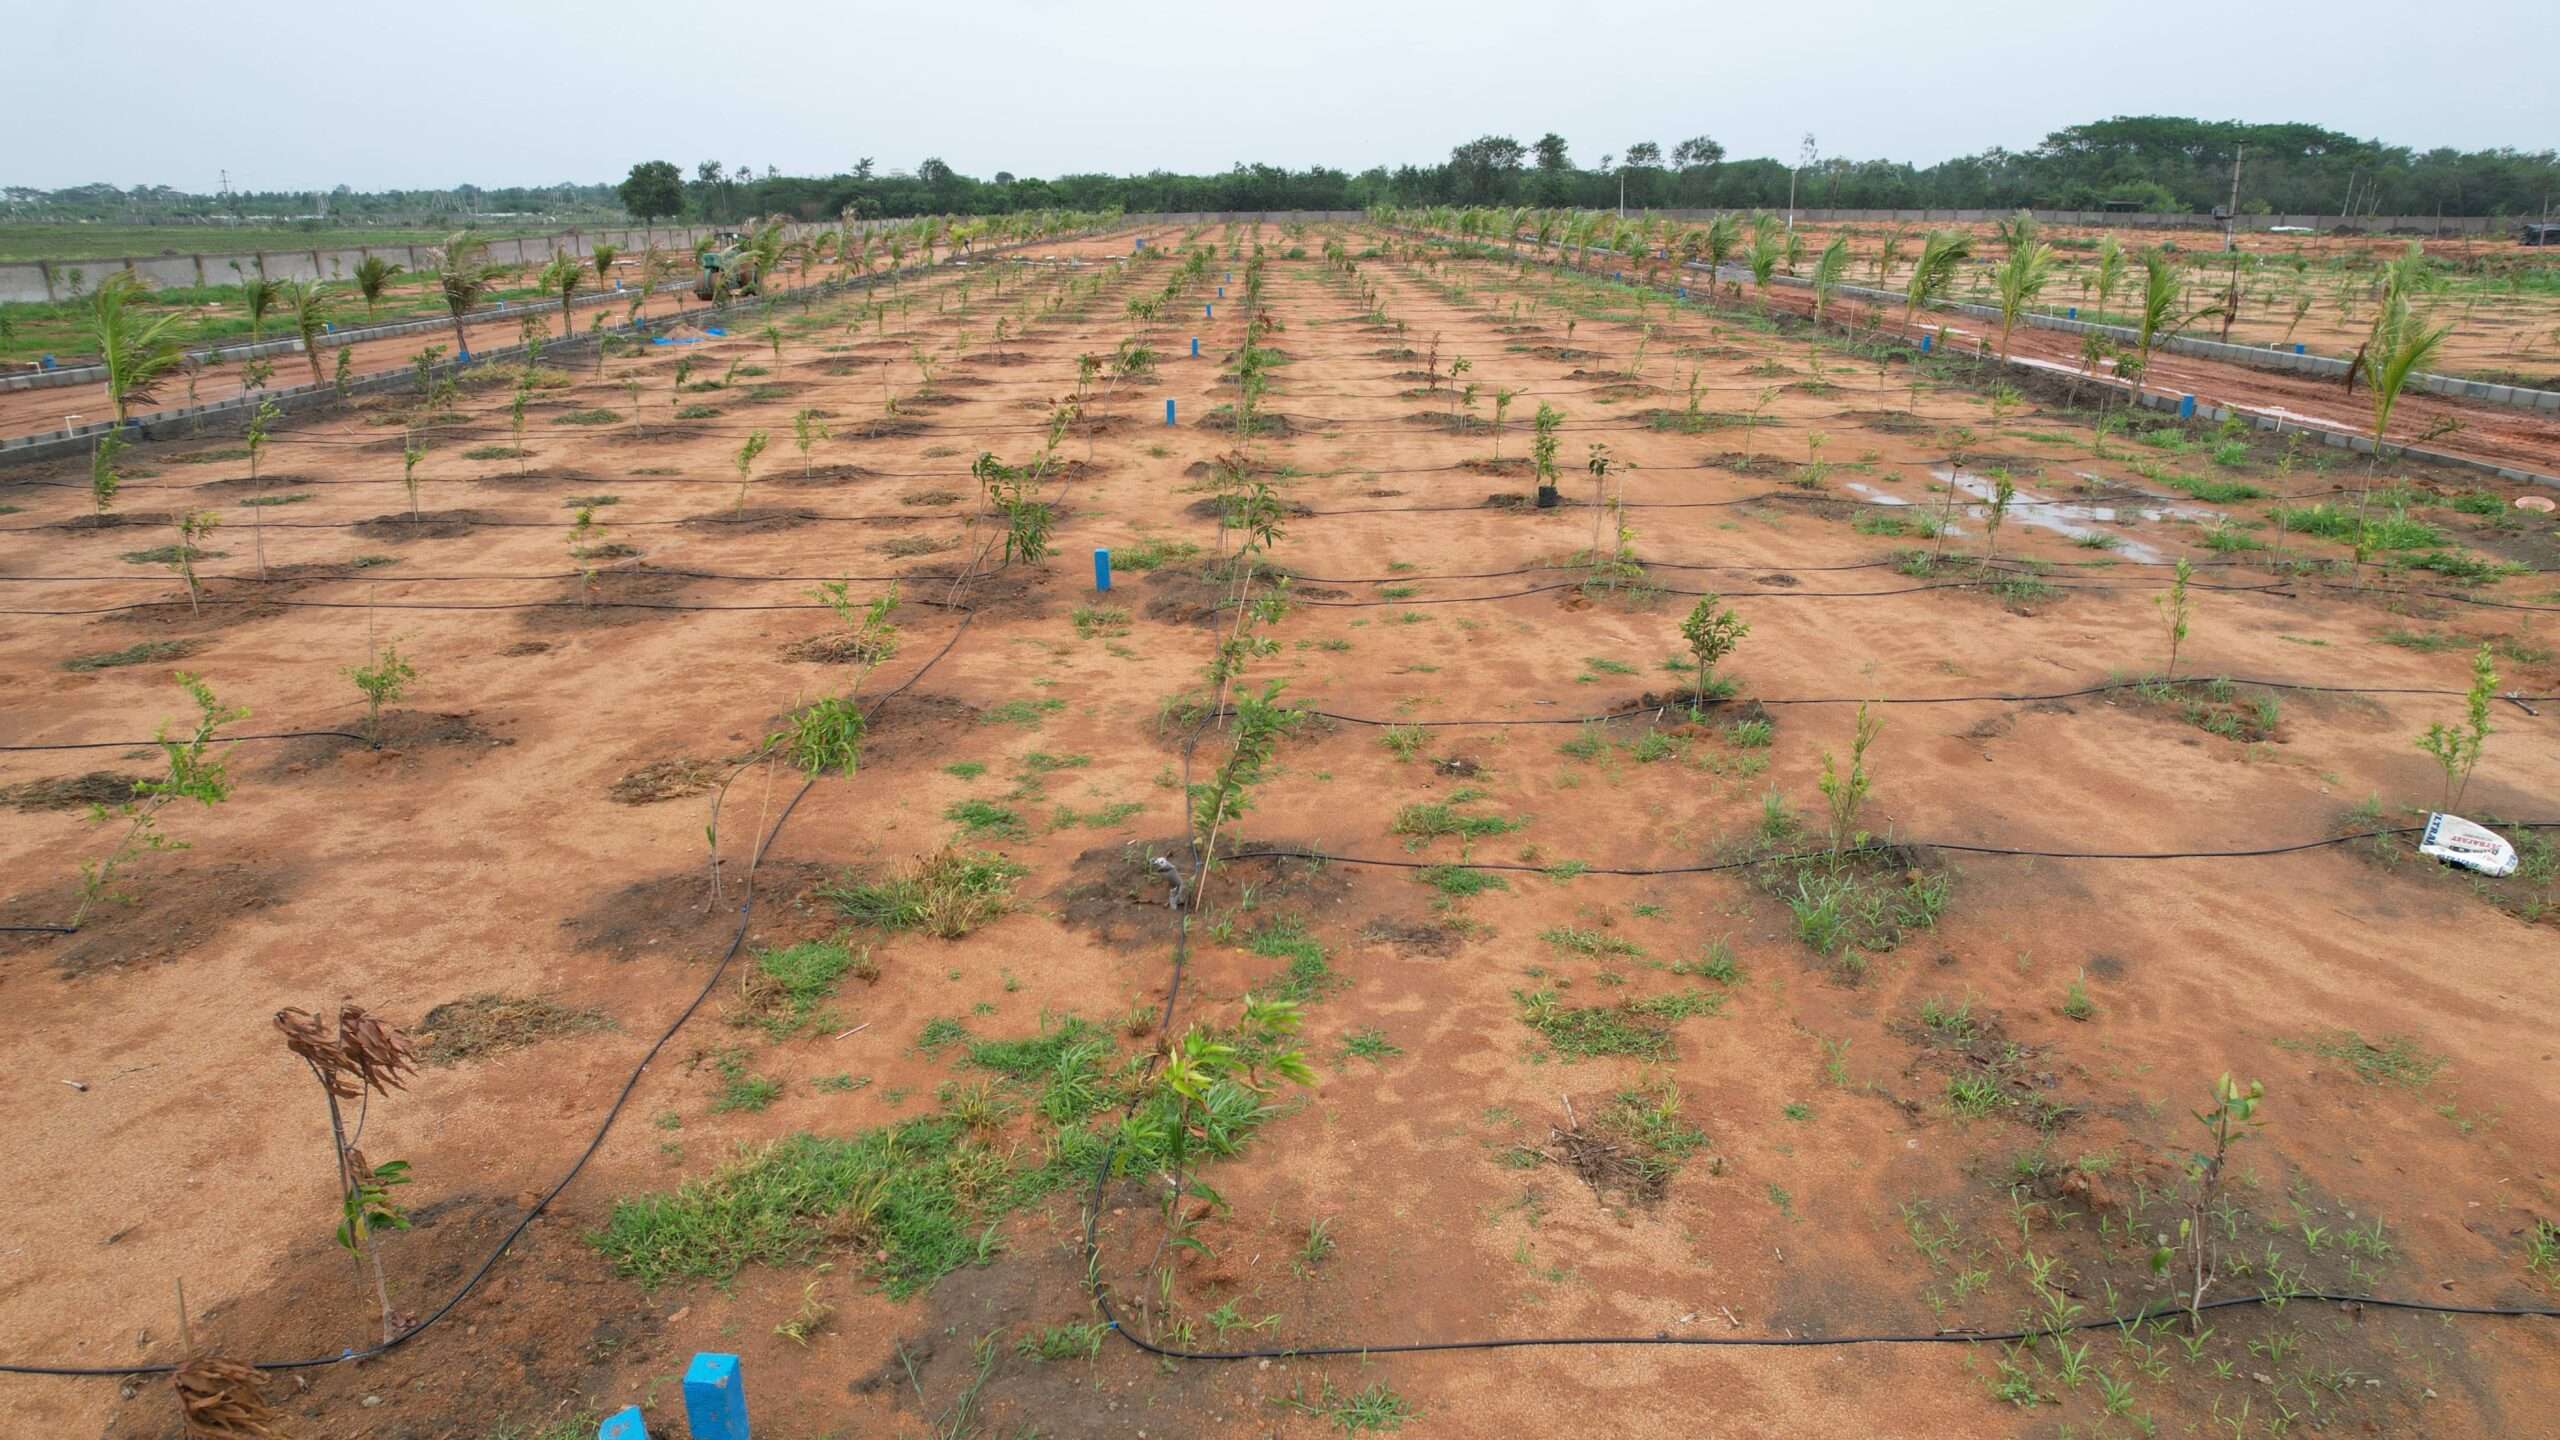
{"x":1222,"y":292}
{"x":2297,"y":349}
{"x":2186,"y":407}
{"x":1195,"y":347}
{"x":2075,"y":313}
{"x":1168,"y":410}
{"x":715,"y":1398}
{"x":1209,"y":312}
{"x":1925,"y":343}
{"x":626,"y":1424}
{"x":1102,"y":571}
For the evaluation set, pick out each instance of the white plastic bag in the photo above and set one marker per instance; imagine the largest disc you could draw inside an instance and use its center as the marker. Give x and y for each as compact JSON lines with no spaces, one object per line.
{"x":2457,"y":841}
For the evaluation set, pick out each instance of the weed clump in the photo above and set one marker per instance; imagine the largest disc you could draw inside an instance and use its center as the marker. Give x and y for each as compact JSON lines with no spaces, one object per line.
{"x":947,"y":894}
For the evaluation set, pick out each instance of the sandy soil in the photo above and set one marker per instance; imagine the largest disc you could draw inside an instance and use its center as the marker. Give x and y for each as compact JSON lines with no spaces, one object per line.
{"x":482,"y":851}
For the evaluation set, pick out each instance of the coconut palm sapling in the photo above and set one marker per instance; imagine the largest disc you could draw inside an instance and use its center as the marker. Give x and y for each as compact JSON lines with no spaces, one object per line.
{"x":563,"y":278}
{"x":135,"y":353}
{"x":307,"y":302}
{"x":464,"y":277}
{"x":373,"y":276}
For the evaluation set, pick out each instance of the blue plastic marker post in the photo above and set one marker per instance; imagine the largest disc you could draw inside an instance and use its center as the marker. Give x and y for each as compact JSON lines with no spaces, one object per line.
{"x":625,"y":1424}
{"x":1208,"y":312}
{"x":47,"y":362}
{"x":1195,"y":347}
{"x":715,"y":1398}
{"x":464,"y":358}
{"x":1925,"y":343}
{"x":1102,"y":571}
{"x":2297,"y":349}
{"x":1684,"y":292}
{"x":1222,"y":292}
{"x":2186,"y":407}
{"x":1168,"y":411}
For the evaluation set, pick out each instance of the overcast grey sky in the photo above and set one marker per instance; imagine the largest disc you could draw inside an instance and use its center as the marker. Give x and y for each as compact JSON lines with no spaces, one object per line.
{"x":298,"y":94}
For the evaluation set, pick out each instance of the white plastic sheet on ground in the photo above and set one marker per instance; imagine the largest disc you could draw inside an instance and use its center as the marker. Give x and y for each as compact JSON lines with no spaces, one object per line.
{"x":2457,"y":841}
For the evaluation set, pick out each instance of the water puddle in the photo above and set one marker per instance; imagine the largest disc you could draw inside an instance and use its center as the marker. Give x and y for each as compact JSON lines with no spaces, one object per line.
{"x":2075,"y":520}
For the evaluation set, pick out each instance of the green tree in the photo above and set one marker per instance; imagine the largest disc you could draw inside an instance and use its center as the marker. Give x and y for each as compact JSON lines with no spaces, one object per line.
{"x":653,"y":191}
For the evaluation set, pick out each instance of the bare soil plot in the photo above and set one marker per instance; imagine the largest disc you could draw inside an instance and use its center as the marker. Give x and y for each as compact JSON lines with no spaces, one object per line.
{"x":1602,"y":1041}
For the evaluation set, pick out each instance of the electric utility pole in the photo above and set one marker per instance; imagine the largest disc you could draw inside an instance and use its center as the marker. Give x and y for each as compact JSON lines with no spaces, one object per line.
{"x":1804,"y":161}
{"x":2231,"y":212}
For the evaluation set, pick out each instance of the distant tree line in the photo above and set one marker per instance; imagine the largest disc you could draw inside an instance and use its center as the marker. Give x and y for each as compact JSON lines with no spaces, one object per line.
{"x":2142,"y":162}
{"x":2154,"y":163}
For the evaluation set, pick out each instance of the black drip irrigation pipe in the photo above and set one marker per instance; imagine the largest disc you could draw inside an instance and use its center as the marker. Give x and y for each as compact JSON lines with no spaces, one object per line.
{"x":1955,"y":847}
{"x":1907,"y":1337}
{"x":1995,"y":697}
{"x":216,"y":739}
{"x":2295,"y":686}
{"x":212,"y":600}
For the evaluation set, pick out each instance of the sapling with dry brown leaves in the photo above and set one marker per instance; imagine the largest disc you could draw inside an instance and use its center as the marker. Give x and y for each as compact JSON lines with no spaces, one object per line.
{"x":362,"y":1059}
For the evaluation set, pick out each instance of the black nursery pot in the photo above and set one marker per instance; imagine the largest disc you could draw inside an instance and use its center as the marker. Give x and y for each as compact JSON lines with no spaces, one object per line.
{"x":1549,"y":497}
